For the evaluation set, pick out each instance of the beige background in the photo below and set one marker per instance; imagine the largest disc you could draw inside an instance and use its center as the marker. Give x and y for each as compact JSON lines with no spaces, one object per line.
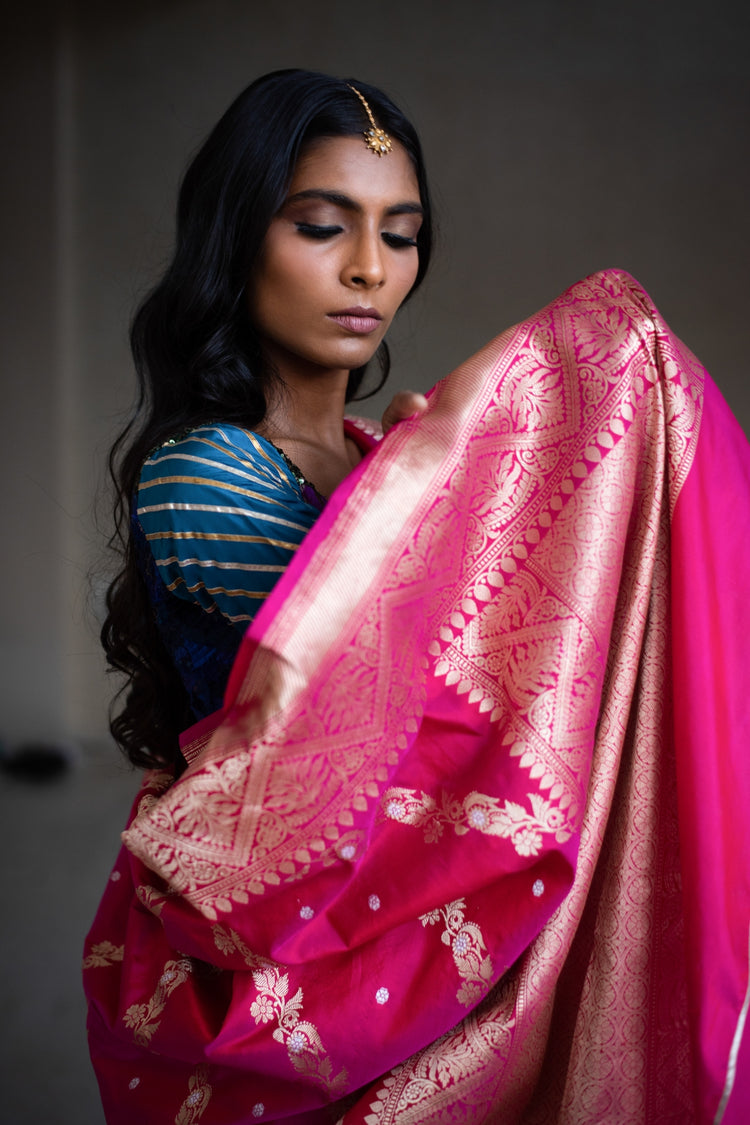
{"x":562,"y":137}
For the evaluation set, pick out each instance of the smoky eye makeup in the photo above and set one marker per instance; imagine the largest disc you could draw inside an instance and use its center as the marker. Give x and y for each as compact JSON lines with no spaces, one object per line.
{"x":323,"y":231}
{"x":398,"y":241}
{"x":322,"y":215}
{"x":318,"y":230}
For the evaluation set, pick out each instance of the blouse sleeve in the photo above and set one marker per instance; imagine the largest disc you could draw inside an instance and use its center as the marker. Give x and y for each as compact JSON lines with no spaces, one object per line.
{"x":223,"y":516}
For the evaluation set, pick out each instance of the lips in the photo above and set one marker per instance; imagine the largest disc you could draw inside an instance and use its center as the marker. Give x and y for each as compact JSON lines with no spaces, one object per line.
{"x":359,"y":320}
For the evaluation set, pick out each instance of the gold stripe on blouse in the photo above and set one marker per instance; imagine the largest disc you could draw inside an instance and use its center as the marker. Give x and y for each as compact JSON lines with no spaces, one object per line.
{"x":218,"y":536}
{"x":206,"y":482}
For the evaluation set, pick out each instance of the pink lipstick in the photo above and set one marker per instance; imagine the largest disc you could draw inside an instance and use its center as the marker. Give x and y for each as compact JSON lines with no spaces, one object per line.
{"x":360,"y":320}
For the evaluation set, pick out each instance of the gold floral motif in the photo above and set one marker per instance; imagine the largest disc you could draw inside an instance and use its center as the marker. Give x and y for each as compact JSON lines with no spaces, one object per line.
{"x":102,"y":954}
{"x":301,"y":1038}
{"x":229,"y":942}
{"x":478,"y":811}
{"x":144,"y":1019}
{"x":199,"y":1095}
{"x":468,"y":947}
{"x":273,"y":1004}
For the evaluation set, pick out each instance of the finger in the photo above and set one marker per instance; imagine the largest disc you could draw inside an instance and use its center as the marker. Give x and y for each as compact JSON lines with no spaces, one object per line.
{"x":403,"y":405}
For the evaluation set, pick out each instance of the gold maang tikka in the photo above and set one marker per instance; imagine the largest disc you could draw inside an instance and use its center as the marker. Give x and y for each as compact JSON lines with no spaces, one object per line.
{"x":376,"y":139}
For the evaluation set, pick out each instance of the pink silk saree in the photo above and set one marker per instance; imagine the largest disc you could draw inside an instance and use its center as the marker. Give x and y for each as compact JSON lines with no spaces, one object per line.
{"x":469,"y":841}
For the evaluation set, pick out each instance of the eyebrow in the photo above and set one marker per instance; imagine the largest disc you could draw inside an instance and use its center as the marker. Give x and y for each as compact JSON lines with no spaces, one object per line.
{"x":349,"y":204}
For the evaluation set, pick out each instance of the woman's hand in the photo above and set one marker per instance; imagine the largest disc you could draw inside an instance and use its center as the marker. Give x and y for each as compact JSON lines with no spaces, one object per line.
{"x":404,"y":404}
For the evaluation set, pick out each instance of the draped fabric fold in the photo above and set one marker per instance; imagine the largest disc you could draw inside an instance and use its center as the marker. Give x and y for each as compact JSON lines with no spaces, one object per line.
{"x":468,"y":841}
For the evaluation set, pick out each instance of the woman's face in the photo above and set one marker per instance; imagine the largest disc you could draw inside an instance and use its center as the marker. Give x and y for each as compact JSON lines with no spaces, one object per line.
{"x":338,"y":259}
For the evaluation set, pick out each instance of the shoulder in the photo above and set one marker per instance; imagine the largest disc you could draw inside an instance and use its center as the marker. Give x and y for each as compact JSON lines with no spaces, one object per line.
{"x":218,"y":464}
{"x":218,"y":474}
{"x":212,"y":454}
{"x":222,"y":516}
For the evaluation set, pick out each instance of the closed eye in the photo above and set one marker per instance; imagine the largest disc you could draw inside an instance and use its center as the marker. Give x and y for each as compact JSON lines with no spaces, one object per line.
{"x":313,"y":230}
{"x":398,"y":241}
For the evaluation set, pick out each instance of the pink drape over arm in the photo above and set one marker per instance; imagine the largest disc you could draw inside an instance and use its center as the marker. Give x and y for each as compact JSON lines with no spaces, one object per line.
{"x":431,"y":865}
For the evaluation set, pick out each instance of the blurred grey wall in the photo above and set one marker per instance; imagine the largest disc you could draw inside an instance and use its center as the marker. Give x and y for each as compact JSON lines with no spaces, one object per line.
{"x":562,"y":138}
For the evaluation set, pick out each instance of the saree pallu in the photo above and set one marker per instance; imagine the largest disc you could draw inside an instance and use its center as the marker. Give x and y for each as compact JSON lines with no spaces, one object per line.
{"x":469,"y":840}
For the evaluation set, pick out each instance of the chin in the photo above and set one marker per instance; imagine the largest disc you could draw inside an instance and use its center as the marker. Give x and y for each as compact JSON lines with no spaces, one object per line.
{"x":348,"y":358}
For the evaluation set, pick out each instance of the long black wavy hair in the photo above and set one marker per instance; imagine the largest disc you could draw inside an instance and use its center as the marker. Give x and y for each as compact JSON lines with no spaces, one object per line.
{"x":197,"y":355}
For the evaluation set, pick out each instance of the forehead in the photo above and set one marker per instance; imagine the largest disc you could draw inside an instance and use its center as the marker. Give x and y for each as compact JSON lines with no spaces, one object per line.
{"x":347,"y":166}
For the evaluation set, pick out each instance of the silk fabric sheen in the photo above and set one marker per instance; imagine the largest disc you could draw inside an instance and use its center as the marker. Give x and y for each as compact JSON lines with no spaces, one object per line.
{"x":469,"y":841}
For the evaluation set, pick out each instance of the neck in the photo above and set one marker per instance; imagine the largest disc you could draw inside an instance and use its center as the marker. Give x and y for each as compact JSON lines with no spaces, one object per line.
{"x":308,"y":410}
{"x":305,"y":418}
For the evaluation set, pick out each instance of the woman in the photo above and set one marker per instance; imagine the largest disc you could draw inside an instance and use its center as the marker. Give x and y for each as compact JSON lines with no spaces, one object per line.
{"x":296,"y":245}
{"x":449,"y":848}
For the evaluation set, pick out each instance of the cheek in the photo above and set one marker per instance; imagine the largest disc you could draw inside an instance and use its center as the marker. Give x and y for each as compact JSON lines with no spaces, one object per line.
{"x":277,"y":271}
{"x":270,"y":293}
{"x":407,"y":277}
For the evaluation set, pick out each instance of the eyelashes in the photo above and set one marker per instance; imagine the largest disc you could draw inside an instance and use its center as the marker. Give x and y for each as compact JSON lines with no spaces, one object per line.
{"x":313,"y":230}
{"x":310,"y":230}
{"x":398,"y":241}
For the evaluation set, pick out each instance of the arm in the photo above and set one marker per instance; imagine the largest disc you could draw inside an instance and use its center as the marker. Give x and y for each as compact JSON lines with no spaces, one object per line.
{"x":223,"y":517}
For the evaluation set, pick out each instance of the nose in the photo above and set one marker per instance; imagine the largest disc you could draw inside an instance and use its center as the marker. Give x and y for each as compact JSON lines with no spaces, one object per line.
{"x":365,"y":266}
